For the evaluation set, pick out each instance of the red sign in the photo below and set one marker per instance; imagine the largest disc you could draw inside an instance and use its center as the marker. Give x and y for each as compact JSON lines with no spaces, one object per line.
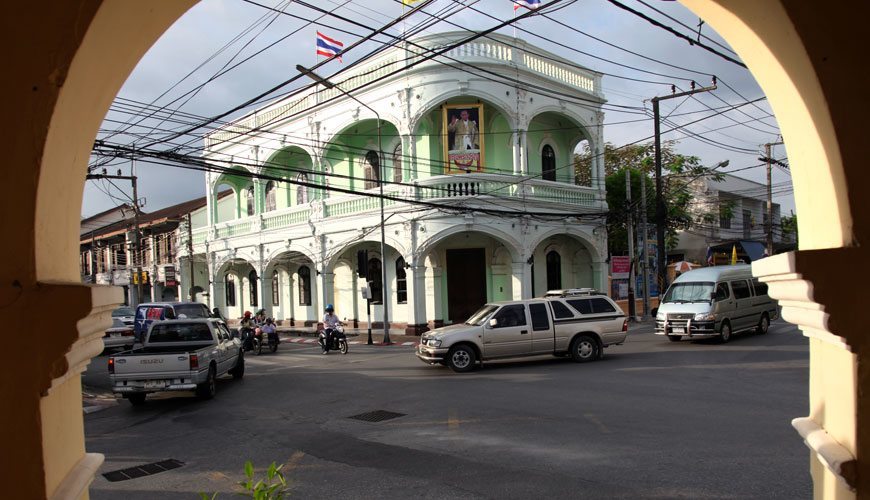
{"x":620,"y":266}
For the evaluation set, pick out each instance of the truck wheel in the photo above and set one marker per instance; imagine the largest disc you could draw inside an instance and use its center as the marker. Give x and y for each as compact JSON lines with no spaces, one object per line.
{"x":584,"y":348}
{"x":136,"y":399}
{"x":207,"y":389}
{"x":725,"y":332}
{"x":675,"y":338}
{"x":763,"y":324}
{"x":461,"y":358}
{"x":238,"y":371}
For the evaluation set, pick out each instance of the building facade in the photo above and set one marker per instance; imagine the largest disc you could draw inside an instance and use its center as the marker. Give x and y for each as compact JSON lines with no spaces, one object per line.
{"x":480,"y":201}
{"x":729,"y":213}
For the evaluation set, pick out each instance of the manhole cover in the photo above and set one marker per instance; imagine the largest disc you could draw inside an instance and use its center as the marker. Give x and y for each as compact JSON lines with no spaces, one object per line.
{"x":377,"y":416}
{"x":142,"y":470}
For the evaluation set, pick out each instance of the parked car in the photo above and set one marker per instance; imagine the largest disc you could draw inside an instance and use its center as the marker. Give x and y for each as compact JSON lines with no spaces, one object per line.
{"x":715,"y":302}
{"x":149,"y":312}
{"x":579,"y":325}
{"x":125,"y":314}
{"x":178,"y":355}
{"x":119,"y":335}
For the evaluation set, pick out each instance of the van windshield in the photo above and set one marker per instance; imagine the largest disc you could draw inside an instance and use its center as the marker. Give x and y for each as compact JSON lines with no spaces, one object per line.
{"x":689,"y":292}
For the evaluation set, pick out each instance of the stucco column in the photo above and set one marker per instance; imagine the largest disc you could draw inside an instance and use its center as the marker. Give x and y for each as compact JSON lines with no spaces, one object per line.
{"x":211,"y":203}
{"x":524,"y":146}
{"x":433,"y":297}
{"x":599,"y":276}
{"x":417,"y":322}
{"x":521,"y":286}
{"x":212,"y":298}
{"x":515,"y":146}
{"x":326,"y":282}
{"x":409,"y":162}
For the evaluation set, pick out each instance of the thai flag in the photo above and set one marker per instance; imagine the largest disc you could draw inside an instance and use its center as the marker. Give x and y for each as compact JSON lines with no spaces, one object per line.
{"x":529,"y":4}
{"x":328,"y":47}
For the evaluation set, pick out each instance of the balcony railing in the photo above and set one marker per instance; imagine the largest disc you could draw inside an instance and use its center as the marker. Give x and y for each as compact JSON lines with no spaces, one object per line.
{"x":505,"y":188}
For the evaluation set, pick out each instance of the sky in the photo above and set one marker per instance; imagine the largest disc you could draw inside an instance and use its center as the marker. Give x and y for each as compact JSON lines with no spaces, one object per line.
{"x":222,"y":53}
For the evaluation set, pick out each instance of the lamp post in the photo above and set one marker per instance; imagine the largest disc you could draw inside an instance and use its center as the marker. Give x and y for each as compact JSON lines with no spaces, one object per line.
{"x":326,"y":83}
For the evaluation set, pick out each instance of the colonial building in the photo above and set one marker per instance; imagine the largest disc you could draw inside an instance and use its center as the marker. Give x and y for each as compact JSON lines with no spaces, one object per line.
{"x":476,"y":176}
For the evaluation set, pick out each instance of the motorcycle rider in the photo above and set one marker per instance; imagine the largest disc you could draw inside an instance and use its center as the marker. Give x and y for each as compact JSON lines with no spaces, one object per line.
{"x":269,"y":331}
{"x":246,"y":327}
{"x":330,"y":323}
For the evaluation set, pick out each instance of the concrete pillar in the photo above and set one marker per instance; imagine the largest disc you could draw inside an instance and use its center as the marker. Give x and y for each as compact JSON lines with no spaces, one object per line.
{"x":524,"y":146}
{"x":326,"y":283}
{"x":521,"y":280}
{"x":416,"y":280}
{"x":515,"y":146}
{"x":599,"y":276}
{"x":433,"y":296}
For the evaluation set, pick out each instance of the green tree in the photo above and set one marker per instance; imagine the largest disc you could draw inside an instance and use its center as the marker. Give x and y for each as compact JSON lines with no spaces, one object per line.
{"x":680,"y":170}
{"x":789,"y":227}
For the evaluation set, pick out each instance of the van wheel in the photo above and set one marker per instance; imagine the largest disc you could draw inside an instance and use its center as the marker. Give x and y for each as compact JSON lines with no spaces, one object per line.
{"x":461,"y":358}
{"x":207,"y":389}
{"x":675,"y":338}
{"x":763,"y":324}
{"x":725,"y":332}
{"x":584,"y":348}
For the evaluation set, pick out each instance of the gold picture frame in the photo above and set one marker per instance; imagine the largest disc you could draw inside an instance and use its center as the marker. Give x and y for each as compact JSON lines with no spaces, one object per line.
{"x":462,"y":133}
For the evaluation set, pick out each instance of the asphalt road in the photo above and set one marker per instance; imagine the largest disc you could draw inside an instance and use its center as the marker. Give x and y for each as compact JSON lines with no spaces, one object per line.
{"x":654,"y":419}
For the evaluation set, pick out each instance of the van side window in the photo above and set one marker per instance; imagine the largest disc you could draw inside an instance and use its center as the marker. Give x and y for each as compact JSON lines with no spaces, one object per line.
{"x":508,"y":316}
{"x":600,"y":305}
{"x":583,"y":306}
{"x":741,"y":289}
{"x":760,"y":288}
{"x":722,"y":292}
{"x":560,"y":310}
{"x":540,"y":318}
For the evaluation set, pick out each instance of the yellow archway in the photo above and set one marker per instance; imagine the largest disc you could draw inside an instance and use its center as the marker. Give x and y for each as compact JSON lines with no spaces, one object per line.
{"x":61,"y":82}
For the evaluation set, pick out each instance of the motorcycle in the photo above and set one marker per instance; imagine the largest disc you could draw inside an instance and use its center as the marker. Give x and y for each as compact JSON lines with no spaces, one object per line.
{"x":332,"y":339}
{"x":271,"y":341}
{"x":246,"y":335}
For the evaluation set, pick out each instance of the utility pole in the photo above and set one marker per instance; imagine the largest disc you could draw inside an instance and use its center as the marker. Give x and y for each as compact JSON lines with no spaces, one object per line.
{"x":769,"y":161}
{"x":661,"y":213}
{"x":643,"y":246}
{"x":632,"y":313}
{"x":190,"y":255}
{"x":135,"y":261}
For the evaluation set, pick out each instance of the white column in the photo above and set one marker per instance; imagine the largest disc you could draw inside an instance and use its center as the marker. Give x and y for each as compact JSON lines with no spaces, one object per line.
{"x":521,"y":280}
{"x":416,"y":280}
{"x":599,"y":276}
{"x":524,"y":161}
{"x":326,"y":281}
{"x":435,"y":289}
{"x":515,"y":144}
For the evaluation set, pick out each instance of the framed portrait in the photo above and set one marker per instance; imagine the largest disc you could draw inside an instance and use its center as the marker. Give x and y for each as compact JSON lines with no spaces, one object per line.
{"x":463,"y":133}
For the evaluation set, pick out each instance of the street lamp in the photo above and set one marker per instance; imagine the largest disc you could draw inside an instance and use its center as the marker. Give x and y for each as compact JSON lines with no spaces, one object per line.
{"x":326,"y":83}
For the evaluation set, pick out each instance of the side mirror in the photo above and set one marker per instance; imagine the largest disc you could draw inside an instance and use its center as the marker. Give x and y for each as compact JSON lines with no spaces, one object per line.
{"x":493,"y":323}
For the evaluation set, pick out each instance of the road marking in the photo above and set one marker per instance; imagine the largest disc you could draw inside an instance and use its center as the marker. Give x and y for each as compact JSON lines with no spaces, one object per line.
{"x":598,"y":423}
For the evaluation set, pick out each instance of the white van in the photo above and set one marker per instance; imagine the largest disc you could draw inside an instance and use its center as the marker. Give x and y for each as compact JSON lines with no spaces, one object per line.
{"x":715,"y":302}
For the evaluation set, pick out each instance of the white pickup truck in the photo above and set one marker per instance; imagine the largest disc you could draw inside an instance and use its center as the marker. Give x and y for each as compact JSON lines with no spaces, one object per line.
{"x":178,"y":355}
{"x":576,"y":325}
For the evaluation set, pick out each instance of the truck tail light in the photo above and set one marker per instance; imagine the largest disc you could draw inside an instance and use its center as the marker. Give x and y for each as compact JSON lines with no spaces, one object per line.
{"x":625,"y":325}
{"x":194,"y":361}
{"x":112,"y":365}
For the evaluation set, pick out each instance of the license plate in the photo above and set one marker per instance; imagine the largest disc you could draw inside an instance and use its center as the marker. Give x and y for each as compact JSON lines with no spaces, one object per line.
{"x":155,"y":384}
{"x":678,"y":330}
{"x":114,"y":335}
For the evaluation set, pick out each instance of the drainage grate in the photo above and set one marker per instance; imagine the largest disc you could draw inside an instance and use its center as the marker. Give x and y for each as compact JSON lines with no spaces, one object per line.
{"x":377,"y":416}
{"x":142,"y":470}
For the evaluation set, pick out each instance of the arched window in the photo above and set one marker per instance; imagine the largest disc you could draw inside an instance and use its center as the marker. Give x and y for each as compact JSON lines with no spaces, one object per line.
{"x":304,"y":286}
{"x":548,"y":163}
{"x":397,"y":163}
{"x":249,"y":198}
{"x":554,"y":270}
{"x":270,"y":196}
{"x":375,"y":281}
{"x":230,"y":289}
{"x":401,"y":282}
{"x":253,"y":280}
{"x":372,"y":170}
{"x":301,"y":190}
{"x":276,"y":288}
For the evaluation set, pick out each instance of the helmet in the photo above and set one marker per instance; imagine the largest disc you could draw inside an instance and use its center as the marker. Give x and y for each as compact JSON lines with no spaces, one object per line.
{"x":247,"y":314}
{"x":329,"y":308}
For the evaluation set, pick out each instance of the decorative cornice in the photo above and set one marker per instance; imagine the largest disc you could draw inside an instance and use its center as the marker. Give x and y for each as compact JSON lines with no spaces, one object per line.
{"x":830,"y":453}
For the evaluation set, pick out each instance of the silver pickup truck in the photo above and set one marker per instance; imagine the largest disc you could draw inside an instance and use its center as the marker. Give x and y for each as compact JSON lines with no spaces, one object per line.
{"x":178,"y":355}
{"x":579,"y":326}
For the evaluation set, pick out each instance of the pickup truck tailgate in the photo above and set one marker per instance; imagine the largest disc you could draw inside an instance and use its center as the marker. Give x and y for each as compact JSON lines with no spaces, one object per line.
{"x":157,"y":365}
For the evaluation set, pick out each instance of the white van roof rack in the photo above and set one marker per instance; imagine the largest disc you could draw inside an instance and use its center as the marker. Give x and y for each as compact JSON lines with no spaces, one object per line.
{"x":568,"y":292}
